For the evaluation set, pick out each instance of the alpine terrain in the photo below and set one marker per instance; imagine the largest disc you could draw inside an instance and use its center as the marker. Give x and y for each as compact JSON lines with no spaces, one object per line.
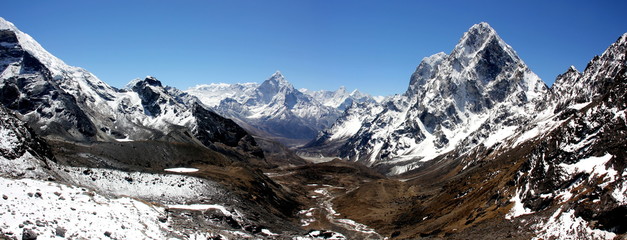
{"x":477,"y":147}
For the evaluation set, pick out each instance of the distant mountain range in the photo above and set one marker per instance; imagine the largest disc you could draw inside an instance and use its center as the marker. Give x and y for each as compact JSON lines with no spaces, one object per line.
{"x":477,"y":147}
{"x":275,"y":109}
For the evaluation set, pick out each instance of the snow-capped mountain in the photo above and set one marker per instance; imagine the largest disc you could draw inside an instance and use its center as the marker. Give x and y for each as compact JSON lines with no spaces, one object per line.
{"x":273,"y":108}
{"x":70,"y":103}
{"x":212,"y":94}
{"x":560,"y":174}
{"x":477,"y":94}
{"x":340,"y":98}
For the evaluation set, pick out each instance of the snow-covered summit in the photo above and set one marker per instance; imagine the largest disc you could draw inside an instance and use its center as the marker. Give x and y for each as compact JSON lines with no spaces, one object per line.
{"x":134,"y":82}
{"x":56,"y":65}
{"x":279,"y":78}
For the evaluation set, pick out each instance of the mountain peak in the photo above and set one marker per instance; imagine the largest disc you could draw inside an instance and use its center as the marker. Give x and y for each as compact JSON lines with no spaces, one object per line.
{"x":4,"y":24}
{"x":278,"y":79}
{"x":572,"y":69}
{"x":148,"y":80}
{"x":480,"y":33}
{"x":482,"y":42}
{"x":55,"y":65}
{"x":277,"y":76}
{"x":478,"y":37}
{"x":481,"y":27}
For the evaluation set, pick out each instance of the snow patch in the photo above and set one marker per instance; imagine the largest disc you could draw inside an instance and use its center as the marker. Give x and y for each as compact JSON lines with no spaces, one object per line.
{"x":201,"y":207}
{"x":181,"y":170}
{"x":565,"y":225}
{"x":499,"y":135}
{"x":166,"y":188}
{"x":518,"y":209}
{"x":579,"y":106}
{"x":348,"y":129}
{"x":591,"y":165}
{"x":8,"y":140}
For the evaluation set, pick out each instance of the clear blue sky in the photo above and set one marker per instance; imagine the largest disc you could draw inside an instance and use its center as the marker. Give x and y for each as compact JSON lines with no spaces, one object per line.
{"x":319,"y":44}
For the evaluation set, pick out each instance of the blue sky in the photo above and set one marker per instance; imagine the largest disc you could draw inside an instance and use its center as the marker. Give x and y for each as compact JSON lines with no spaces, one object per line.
{"x":373,"y":46}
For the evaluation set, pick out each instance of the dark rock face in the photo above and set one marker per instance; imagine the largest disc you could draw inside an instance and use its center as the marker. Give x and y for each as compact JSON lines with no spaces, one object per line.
{"x":29,"y":234}
{"x":33,"y":90}
{"x":150,"y":99}
{"x":212,"y":128}
{"x":25,"y":140}
{"x":493,"y":60}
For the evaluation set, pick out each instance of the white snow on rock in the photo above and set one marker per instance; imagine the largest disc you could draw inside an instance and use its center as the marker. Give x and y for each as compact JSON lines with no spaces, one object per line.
{"x":350,"y":128}
{"x":45,"y":207}
{"x":579,"y":106}
{"x":8,"y":139}
{"x":500,"y":135}
{"x":165,"y":188}
{"x":212,"y":94}
{"x":565,"y":225}
{"x":25,"y":166}
{"x":591,"y":165}
{"x":201,"y":207}
{"x":518,"y":209}
{"x":620,"y":193}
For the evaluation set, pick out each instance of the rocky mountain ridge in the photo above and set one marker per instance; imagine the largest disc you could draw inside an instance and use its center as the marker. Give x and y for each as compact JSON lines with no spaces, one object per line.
{"x":70,"y":103}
